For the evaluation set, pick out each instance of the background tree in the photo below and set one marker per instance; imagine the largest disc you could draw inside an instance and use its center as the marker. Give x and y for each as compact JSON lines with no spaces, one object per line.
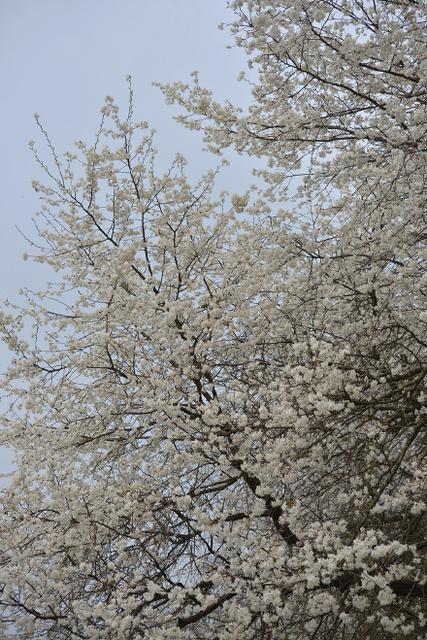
{"x":221,"y":431}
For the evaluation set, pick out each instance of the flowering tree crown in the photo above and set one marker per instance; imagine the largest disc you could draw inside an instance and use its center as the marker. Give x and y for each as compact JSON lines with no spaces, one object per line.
{"x":221,"y":430}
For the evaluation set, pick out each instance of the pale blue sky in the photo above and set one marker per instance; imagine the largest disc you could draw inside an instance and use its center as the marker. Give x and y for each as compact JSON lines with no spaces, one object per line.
{"x":60,"y":58}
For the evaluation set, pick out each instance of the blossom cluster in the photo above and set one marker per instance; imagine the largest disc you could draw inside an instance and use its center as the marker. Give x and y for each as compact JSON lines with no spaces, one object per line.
{"x":220,"y":419}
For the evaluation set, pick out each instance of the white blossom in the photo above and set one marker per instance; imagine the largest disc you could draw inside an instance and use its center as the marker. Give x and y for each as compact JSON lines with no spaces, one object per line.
{"x":219,"y":419}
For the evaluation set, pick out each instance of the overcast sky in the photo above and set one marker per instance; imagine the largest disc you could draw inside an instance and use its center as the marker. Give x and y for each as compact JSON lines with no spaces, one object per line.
{"x":60,"y":58}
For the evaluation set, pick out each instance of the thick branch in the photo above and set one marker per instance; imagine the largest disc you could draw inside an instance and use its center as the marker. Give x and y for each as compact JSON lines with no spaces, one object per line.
{"x":183,"y":622}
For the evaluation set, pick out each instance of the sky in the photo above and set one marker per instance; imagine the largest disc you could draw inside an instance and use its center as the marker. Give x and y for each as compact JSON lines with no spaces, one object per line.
{"x":60,"y":59}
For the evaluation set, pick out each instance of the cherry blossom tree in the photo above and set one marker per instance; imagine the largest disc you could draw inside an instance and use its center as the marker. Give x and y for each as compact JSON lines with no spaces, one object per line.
{"x":220,"y":417}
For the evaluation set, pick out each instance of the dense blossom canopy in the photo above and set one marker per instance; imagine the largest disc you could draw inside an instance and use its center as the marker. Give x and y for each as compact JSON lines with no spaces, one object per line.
{"x":220,"y":418}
